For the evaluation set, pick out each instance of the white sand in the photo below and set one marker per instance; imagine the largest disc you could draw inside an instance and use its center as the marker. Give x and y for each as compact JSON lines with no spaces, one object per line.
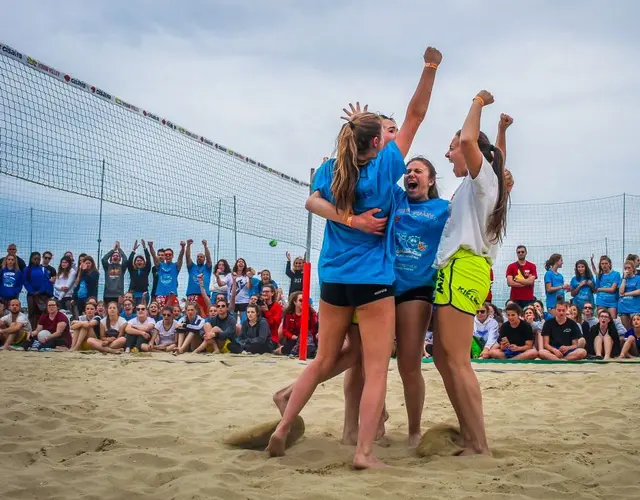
{"x":105,"y":427}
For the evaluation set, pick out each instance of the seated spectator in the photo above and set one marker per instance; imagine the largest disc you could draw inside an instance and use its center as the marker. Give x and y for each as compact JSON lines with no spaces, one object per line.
{"x":128,"y":310}
{"x":603,"y":337}
{"x":139,"y":270}
{"x":554,"y":285}
{"x":607,"y":286}
{"x":587,"y":314}
{"x":11,"y":279}
{"x":631,"y":346}
{"x":39,"y":287}
{"x":101,"y":310}
{"x":494,"y":312}
{"x":540,"y":308}
{"x":291,"y":327}
{"x":114,"y":264}
{"x":112,"y":332}
{"x":138,"y":330}
{"x":255,"y":335}
{"x":190,"y":330}
{"x":516,"y":337}
{"x":177,"y":313}
{"x":12,"y":249}
{"x":57,"y":324}
{"x":86,"y":283}
{"x":294,"y":275}
{"x":531,"y":316}
{"x":87,"y":326}
{"x":220,"y":331}
{"x":629,"y":303}
{"x":561,"y":337}
{"x":582,"y":285}
{"x":154,"y":311}
{"x":573,"y":313}
{"x":485,"y":333}
{"x":164,"y":333}
{"x":219,"y":280}
{"x":14,"y":326}
{"x":271,"y":311}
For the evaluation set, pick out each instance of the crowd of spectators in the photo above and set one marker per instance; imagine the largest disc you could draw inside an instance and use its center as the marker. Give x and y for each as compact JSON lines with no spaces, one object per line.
{"x":594,"y":315}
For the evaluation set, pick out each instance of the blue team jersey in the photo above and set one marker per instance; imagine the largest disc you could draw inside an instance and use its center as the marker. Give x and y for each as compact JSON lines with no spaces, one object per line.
{"x":193,"y":288}
{"x":349,"y":256}
{"x":606,"y":299}
{"x":418,"y":228}
{"x":167,"y":279}
{"x":555,"y":279}
{"x":630,"y":305}
{"x":584,"y":295}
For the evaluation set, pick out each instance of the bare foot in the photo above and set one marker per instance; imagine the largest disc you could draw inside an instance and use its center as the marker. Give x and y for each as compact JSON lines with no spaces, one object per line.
{"x":361,"y":462}
{"x":281,"y":398}
{"x":467,"y":452}
{"x":381,"y":429}
{"x":414,"y":440}
{"x":350,"y":437}
{"x":277,"y":443}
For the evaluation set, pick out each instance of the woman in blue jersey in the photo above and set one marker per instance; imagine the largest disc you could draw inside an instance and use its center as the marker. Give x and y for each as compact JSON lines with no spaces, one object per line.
{"x":629,"y":303}
{"x":607,"y":286}
{"x":356,"y":268}
{"x":582,"y":285}
{"x":469,"y":245}
{"x":554,"y":281}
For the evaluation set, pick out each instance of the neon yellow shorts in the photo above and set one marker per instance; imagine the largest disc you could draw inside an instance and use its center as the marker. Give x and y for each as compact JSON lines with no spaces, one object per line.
{"x":464,"y":282}
{"x":354,"y":320}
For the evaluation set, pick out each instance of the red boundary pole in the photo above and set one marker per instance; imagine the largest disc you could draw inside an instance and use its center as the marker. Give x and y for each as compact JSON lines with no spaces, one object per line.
{"x":304,"y":320}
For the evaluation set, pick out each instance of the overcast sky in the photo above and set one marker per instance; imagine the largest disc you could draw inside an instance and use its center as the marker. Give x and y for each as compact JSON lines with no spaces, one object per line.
{"x":269,"y":78}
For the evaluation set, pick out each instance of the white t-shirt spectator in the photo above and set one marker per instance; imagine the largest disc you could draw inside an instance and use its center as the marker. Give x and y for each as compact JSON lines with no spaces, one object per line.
{"x":20,"y":318}
{"x":62,"y":282}
{"x":134,"y":322}
{"x":166,"y":336}
{"x":113,"y":330}
{"x":242,"y":295}
{"x":215,"y":289}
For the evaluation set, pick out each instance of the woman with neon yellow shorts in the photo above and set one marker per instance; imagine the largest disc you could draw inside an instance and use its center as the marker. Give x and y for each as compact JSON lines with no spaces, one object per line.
{"x":468,"y":247}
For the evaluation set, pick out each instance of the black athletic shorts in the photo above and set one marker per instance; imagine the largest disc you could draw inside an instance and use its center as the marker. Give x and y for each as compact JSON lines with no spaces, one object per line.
{"x":423,"y":293}
{"x":341,"y":295}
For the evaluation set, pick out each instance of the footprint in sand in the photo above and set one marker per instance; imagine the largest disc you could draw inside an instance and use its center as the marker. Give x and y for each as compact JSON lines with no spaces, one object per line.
{"x":257,"y":438}
{"x":440,"y":441}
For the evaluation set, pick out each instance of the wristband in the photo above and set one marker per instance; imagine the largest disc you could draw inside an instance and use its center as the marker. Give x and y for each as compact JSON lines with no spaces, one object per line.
{"x":349,"y":219}
{"x":431,"y":65}
{"x":479,"y":99}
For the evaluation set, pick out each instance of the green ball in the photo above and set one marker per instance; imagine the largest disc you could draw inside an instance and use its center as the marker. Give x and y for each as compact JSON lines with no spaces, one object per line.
{"x":273,"y":243}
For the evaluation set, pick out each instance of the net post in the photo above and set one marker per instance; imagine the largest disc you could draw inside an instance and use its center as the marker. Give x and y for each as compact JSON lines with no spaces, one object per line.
{"x":235,"y":226}
{"x":100,"y":219}
{"x":219,"y":221}
{"x":304,"y":320}
{"x":31,"y":230}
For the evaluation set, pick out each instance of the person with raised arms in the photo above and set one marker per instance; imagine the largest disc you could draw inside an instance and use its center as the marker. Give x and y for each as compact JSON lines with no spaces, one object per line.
{"x":356,"y":268}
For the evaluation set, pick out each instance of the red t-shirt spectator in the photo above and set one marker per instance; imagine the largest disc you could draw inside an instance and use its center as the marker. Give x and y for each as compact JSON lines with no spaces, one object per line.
{"x":519,"y":272}
{"x":292,"y":322}
{"x":52,"y":325}
{"x":274,"y":317}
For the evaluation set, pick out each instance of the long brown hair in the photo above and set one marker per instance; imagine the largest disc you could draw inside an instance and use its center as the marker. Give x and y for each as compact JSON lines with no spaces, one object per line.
{"x":354,"y":139}
{"x":497,"y":223}
{"x":291,"y":306}
{"x":433,"y":189}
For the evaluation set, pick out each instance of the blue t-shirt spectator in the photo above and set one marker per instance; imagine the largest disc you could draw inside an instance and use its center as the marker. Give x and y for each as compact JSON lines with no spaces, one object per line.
{"x":585,"y":294}
{"x":630,"y":304}
{"x":36,"y":280}
{"x":555,"y":280}
{"x":608,"y":299}
{"x":168,"y":279}
{"x":11,"y":281}
{"x":193,"y":288}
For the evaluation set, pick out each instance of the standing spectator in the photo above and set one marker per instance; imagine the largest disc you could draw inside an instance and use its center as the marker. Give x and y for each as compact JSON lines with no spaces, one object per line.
{"x":491,"y":279}
{"x":11,"y":279}
{"x":631,"y":345}
{"x":603,"y":340}
{"x":114,"y":264}
{"x":294,"y":275}
{"x":138,"y":330}
{"x":253,"y":284}
{"x":582,"y":285}
{"x":561,"y":336}
{"x":291,"y":326}
{"x":139,"y":269}
{"x":607,"y":286}
{"x":63,"y":287}
{"x":629,"y":303}
{"x":47,"y":257}
{"x":86,"y":284}
{"x":218,"y":283}
{"x":516,"y":337}
{"x":167,"y":290}
{"x":14,"y":326}
{"x":272,"y":312}
{"x":57,"y":324}
{"x":220,"y":331}
{"x":202,"y":267}
{"x":265,"y":279}
{"x":69,"y":255}
{"x":521,"y":278}
{"x":242,"y":295}
{"x":485,"y":333}
{"x":12,"y":249}
{"x":154,"y":272}
{"x":554,"y":285}
{"x":37,"y":284}
{"x":254,"y":333}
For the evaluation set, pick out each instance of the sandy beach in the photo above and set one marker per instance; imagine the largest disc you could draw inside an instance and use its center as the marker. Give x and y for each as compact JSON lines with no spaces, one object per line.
{"x":107,"y":427}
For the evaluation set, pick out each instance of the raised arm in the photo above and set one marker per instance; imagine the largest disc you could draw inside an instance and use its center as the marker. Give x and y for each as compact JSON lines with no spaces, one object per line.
{"x":471,"y":131}
{"x":417,"y":109}
{"x":203,"y":294}
{"x":187,"y":254}
{"x":183,"y":244}
{"x":153,"y":254}
{"x":287,"y":269}
{"x":207,"y":254}
{"x":147,"y":257}
{"x":105,"y":259}
{"x":501,"y":139}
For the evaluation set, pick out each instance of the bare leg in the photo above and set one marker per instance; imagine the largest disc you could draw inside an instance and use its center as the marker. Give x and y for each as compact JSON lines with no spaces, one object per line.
{"x":96,"y":345}
{"x":202,"y":346}
{"x":582,"y":342}
{"x":333,"y":327}
{"x":576,"y":355}
{"x":118,"y":343}
{"x":81,"y":335}
{"x":454,"y":333}
{"x":9,"y":340}
{"x":353,"y":385}
{"x":614,"y":312}
{"x":412,"y":322}
{"x":528,"y":354}
{"x":608,"y":346}
{"x":548,"y":355}
{"x":185,"y":344}
{"x":497,"y":354}
{"x":597,"y":345}
{"x":626,"y":321}
{"x":626,"y":347}
{"x":377,"y":325}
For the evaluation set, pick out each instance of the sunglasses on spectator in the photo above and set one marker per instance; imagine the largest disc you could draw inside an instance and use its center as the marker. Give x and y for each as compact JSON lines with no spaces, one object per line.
{"x":166,"y":315}
{"x":588,"y":307}
{"x":482,"y":311}
{"x":221,"y":305}
{"x":521,"y":251}
{"x":141,"y":308}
